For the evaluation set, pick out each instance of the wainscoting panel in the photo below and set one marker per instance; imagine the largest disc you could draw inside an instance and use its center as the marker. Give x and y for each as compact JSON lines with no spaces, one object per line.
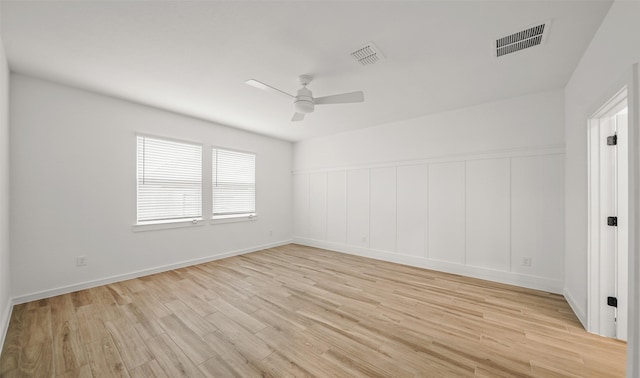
{"x":488,"y":224}
{"x":412,"y":195}
{"x":301,"y":205}
{"x":447,"y":212}
{"x":358,"y":207}
{"x":383,"y":209}
{"x":337,"y":207}
{"x":318,"y":206}
{"x":497,"y":216}
{"x":536,"y":214}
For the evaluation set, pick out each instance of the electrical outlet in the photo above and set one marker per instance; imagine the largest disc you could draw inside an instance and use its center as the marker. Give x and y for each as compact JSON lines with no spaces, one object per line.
{"x":526,"y":261}
{"x":81,"y":260}
{"x":270,"y":233}
{"x":364,"y":239}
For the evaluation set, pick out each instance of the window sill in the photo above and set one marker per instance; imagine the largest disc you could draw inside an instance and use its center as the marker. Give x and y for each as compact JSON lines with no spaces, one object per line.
{"x":233,"y":218}
{"x":165,"y":225}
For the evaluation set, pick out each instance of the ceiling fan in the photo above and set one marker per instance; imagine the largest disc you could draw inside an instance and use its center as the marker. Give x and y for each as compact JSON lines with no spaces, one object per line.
{"x":304,"y":102}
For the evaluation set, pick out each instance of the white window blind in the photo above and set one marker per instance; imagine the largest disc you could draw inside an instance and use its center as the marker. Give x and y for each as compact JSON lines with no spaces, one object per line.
{"x":233,"y":182}
{"x":169,"y":180}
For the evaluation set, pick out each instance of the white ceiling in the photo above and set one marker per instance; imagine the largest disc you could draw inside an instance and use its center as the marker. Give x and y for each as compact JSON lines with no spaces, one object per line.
{"x":193,"y":57}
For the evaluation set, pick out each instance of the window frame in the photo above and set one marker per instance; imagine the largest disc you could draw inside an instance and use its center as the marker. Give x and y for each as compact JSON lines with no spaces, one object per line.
{"x":238,"y":217}
{"x":206,"y":200}
{"x":175,"y":222}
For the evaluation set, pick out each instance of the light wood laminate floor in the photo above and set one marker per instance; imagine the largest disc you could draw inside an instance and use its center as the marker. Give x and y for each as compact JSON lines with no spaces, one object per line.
{"x":300,"y":311}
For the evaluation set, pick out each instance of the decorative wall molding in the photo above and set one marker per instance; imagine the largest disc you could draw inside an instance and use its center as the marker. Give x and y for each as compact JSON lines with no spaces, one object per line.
{"x":497,"y":215}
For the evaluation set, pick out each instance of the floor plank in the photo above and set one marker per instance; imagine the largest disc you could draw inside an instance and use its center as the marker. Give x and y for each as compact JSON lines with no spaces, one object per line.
{"x":68,"y":353}
{"x":10,"y":358}
{"x":104,"y":359}
{"x":171,"y":358}
{"x":36,"y":357}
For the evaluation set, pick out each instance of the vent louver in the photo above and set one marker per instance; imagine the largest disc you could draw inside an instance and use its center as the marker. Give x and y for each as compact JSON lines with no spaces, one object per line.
{"x":367,"y":54}
{"x":533,"y":36}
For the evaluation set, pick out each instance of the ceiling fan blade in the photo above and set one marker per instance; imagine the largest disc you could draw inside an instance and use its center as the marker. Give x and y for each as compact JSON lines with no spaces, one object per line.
{"x":344,"y":98}
{"x":268,"y":88}
{"x":297,"y":117}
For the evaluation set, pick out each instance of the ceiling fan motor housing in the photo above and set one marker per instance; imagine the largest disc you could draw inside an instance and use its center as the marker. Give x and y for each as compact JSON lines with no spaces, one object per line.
{"x":304,"y":101}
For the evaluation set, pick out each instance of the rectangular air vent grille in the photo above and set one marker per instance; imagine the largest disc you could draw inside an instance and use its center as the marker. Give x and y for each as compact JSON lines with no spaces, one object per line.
{"x":521,"y":40}
{"x":367,"y":54}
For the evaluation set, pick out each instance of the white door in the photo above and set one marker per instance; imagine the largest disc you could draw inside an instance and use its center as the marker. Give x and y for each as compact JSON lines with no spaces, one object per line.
{"x":607,"y":209}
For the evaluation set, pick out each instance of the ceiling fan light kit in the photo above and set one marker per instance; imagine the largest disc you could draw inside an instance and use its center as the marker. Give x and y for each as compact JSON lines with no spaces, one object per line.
{"x":303,"y":101}
{"x":304,"y":105}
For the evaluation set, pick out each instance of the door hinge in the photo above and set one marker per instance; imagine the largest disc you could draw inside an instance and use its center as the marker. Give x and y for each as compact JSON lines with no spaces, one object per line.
{"x":612,"y":140}
{"x":612,"y":301}
{"x":612,"y":221}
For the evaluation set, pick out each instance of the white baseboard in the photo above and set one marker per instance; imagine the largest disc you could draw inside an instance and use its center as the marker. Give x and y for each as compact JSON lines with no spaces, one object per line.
{"x":140,"y":273}
{"x":4,"y":322}
{"x":579,"y":311}
{"x":510,"y":278}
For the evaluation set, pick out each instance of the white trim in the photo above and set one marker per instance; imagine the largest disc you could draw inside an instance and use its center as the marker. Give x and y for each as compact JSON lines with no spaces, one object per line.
{"x":234,"y":218}
{"x":140,"y":273}
{"x":4,"y":322}
{"x":613,"y":105}
{"x":218,"y":219}
{"x":633,"y":334}
{"x":556,"y":149}
{"x":579,"y":311}
{"x":510,"y":278}
{"x":165,"y":225}
{"x":510,"y":215}
{"x":426,"y":251}
{"x":593,"y":233}
{"x":466,"y":215}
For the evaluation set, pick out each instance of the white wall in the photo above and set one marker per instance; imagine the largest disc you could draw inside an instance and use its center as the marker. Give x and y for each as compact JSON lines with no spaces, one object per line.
{"x":73,"y":189}
{"x":604,"y":70}
{"x":5,"y":281}
{"x":471,"y":191}
{"x":534,"y":120}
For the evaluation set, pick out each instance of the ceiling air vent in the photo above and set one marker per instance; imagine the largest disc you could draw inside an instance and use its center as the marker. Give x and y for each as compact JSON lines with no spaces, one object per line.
{"x":521,"y":40}
{"x":367,"y":54}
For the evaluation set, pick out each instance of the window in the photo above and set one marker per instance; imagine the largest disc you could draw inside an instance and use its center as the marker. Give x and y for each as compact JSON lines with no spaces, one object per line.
{"x":233,"y":182}
{"x":169,"y":177}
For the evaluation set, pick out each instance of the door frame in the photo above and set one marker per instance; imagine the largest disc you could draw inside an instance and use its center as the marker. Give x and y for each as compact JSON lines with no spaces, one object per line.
{"x":594,"y":301}
{"x":633,"y":331}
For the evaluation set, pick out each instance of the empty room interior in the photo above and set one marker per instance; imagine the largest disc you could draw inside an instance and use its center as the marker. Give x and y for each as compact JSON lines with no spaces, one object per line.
{"x":320,"y":189}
